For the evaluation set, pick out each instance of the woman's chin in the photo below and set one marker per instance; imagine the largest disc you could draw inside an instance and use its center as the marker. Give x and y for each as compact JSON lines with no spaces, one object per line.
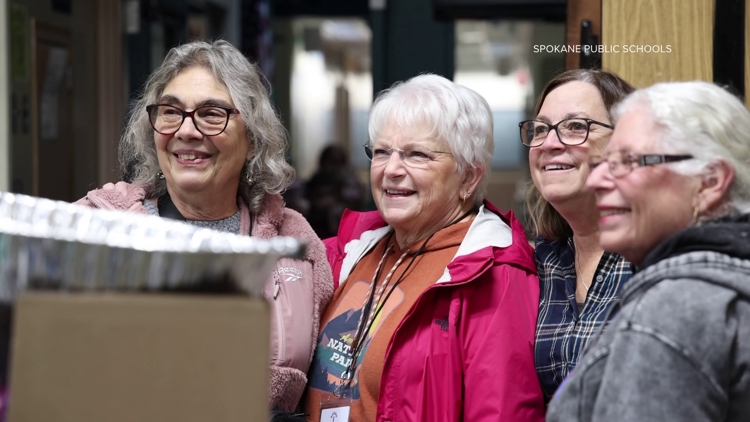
{"x":191,"y":184}
{"x":613,"y":241}
{"x":561,"y":194}
{"x":397,"y":217}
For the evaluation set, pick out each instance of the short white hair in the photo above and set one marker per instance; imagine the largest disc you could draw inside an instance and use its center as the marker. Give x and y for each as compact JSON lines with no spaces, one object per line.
{"x":453,"y":113}
{"x":705,"y":121}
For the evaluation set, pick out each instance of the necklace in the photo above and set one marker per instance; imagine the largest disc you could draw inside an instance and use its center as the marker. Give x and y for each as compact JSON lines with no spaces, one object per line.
{"x":372,"y":300}
{"x":374,"y":304}
{"x":579,"y":274}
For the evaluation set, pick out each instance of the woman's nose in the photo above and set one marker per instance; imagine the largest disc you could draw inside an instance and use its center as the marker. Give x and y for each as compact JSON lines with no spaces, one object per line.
{"x":189,"y":129}
{"x":599,"y":177}
{"x":552,"y":141}
{"x":395,"y":164}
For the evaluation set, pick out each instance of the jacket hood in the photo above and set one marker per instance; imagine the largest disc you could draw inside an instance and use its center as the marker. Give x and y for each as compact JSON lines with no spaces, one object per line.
{"x":492,"y":236}
{"x":716,"y":252}
{"x":497,"y":236}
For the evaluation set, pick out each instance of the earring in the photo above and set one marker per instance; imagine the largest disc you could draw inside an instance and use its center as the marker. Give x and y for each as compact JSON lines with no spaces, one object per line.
{"x":160,"y":175}
{"x":247,"y":175}
{"x":463,"y":198}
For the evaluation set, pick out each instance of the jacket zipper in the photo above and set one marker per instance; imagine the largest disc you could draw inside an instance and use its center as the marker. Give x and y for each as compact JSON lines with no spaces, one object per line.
{"x":279,"y":317}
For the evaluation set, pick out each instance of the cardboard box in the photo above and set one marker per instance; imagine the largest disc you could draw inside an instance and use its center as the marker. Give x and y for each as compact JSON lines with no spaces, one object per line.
{"x":139,"y":357}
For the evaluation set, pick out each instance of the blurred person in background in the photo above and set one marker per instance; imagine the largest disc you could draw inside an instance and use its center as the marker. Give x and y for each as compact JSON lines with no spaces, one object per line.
{"x":294,"y":195}
{"x":206,"y":147}
{"x":333,"y":188}
{"x":673,"y":195}
{"x":435,"y":315}
{"x":579,"y":282}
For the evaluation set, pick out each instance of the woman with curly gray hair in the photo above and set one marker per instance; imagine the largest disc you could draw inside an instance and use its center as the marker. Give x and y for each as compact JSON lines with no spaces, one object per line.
{"x":203,"y":144}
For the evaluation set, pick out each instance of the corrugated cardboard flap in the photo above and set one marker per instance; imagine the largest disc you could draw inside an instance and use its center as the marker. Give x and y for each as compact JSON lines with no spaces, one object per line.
{"x":98,"y":357}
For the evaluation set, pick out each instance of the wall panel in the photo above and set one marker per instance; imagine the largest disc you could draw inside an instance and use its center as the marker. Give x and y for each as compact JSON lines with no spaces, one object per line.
{"x":681,"y":29}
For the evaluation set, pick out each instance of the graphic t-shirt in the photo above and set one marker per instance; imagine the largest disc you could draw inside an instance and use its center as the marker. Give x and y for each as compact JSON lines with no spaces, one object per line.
{"x":339,"y":322}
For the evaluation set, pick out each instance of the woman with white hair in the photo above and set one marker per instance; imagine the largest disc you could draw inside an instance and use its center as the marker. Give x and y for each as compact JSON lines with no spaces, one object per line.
{"x":673,"y":193}
{"x":204,"y":145}
{"x":435,"y":314}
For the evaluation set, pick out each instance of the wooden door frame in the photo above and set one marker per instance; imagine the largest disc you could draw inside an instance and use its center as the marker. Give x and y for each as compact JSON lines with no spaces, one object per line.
{"x":578,"y":10}
{"x":42,"y":30}
{"x":110,"y":88}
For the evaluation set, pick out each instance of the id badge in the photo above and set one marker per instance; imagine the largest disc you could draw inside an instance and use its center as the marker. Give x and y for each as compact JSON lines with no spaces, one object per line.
{"x":336,"y":410}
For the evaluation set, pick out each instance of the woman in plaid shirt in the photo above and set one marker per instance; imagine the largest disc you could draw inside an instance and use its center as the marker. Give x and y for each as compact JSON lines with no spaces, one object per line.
{"x":578,"y":280}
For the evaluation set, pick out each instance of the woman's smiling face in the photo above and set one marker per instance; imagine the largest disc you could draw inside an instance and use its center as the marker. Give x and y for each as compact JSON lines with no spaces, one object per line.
{"x":411,"y":199}
{"x":645,"y":206}
{"x":559,"y":171}
{"x":191,"y":161}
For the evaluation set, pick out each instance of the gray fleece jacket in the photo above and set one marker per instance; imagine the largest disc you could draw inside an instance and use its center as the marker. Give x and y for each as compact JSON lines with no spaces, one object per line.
{"x":678,"y":346}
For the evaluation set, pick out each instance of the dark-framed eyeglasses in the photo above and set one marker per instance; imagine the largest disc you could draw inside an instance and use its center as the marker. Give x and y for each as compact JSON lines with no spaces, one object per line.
{"x":570,"y":132}
{"x":621,"y":163}
{"x":210,"y":120}
{"x":410,"y":156}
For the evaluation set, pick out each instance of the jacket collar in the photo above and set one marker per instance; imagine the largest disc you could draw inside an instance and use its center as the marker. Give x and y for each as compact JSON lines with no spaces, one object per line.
{"x":488,"y":239}
{"x":487,"y":230}
{"x":268,"y":220}
{"x":355,"y":249}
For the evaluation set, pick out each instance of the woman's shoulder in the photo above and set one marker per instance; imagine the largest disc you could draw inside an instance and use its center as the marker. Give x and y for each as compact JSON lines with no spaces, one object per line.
{"x":681,"y":296}
{"x":117,"y":196}
{"x":551,"y":253}
{"x":553,"y":246}
{"x":690,"y":311}
{"x":294,"y":224}
{"x":275,"y":219}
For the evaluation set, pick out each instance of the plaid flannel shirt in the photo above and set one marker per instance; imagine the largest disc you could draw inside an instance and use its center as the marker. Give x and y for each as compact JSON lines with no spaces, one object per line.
{"x":561,"y":333}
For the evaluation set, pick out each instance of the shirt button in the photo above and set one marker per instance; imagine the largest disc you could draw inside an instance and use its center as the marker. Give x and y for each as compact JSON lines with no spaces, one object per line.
{"x":599,"y":278}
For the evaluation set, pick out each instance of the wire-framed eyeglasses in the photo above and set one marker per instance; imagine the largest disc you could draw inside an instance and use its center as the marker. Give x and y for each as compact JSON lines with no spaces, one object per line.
{"x":621,"y":163}
{"x":210,"y":120}
{"x":411,"y":157}
{"x":570,"y":132}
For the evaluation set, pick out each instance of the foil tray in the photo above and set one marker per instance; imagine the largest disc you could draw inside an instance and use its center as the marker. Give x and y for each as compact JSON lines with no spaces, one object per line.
{"x":54,"y":245}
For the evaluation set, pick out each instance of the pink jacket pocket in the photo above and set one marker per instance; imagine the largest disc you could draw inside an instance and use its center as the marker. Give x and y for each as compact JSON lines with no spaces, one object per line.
{"x":289,"y":291}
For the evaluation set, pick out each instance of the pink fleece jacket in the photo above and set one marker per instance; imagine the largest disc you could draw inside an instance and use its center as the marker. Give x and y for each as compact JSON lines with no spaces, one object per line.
{"x":304,"y":286}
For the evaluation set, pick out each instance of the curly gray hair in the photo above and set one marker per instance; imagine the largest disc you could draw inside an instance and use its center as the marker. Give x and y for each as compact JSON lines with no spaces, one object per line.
{"x":266,"y":136}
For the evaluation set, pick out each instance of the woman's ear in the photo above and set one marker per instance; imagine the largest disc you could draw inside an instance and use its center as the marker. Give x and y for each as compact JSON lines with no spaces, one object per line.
{"x":715,"y":184}
{"x":472,"y":177}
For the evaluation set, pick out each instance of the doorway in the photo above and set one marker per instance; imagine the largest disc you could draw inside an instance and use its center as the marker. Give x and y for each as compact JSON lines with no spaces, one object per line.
{"x":52,"y":91}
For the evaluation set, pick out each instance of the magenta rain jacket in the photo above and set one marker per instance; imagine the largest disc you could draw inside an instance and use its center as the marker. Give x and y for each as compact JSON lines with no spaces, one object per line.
{"x":482,"y":367}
